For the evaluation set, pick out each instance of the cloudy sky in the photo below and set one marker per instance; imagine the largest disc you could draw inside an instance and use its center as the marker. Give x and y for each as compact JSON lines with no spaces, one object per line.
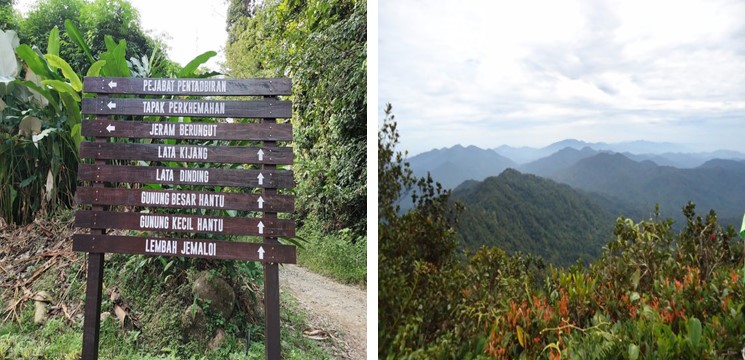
{"x":530,"y":73}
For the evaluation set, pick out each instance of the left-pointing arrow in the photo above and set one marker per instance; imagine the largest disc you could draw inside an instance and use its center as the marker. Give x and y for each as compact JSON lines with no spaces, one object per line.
{"x":111,"y":105}
{"x":110,"y":128}
{"x":112,"y":84}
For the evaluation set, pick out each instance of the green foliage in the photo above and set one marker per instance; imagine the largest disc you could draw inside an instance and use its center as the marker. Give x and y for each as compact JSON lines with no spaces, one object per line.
{"x":39,"y":169}
{"x":322,"y":46}
{"x":533,"y":215}
{"x":39,"y":166}
{"x":56,"y":339}
{"x":8,"y":16}
{"x":91,"y":22}
{"x":655,"y":293}
{"x":336,"y":254}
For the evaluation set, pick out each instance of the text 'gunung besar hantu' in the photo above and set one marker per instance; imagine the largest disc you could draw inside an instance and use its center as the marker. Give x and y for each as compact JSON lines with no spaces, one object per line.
{"x":177,"y":176}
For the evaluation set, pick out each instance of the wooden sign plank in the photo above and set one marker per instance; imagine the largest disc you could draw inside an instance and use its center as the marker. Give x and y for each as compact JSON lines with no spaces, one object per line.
{"x":185,"y":223}
{"x":194,"y":108}
{"x":190,"y":176}
{"x":184,"y":199}
{"x":188,"y":153}
{"x":172,"y":130}
{"x":198,"y":248}
{"x":159,"y":86}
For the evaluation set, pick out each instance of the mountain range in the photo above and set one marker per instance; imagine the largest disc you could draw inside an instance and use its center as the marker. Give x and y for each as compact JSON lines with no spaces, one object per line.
{"x":577,"y":190}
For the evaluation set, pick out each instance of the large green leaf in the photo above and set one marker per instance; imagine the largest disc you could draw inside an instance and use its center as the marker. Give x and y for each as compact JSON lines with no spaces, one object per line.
{"x":191,"y":67}
{"x":74,"y":34}
{"x":109,"y":42}
{"x":116,"y":63}
{"x":694,"y":331}
{"x":67,"y":71}
{"x":63,"y":88}
{"x":95,"y":69}
{"x":37,"y":63}
{"x":72,"y":108}
{"x":53,"y":43}
{"x":76,"y":135}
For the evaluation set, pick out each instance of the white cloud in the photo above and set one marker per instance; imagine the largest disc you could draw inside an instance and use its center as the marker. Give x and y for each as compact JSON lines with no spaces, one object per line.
{"x":606,"y":70}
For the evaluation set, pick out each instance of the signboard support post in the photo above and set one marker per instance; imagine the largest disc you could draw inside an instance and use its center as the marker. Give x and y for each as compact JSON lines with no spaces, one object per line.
{"x":271,"y":271}
{"x":94,"y":284}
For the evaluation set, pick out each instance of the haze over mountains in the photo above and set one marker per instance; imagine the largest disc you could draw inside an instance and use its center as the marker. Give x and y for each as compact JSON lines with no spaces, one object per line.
{"x":514,"y":209}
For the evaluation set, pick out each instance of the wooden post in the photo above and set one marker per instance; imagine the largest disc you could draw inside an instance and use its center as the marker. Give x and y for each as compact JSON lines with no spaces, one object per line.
{"x":94,"y":284}
{"x":271,"y":271}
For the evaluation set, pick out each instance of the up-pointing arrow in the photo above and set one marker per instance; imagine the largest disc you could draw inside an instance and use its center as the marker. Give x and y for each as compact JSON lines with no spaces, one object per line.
{"x":261,"y":202}
{"x":110,"y":128}
{"x":261,"y":227}
{"x":261,"y":155}
{"x":261,"y":179}
{"x":261,"y":253}
{"x":112,"y":84}
{"x":111,"y":105}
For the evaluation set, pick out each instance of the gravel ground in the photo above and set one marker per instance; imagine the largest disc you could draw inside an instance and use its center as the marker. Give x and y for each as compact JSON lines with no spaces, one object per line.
{"x":334,"y":309}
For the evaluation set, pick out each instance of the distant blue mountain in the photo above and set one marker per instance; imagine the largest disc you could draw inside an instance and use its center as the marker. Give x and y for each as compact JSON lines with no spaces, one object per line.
{"x":523,"y":155}
{"x":557,"y":161}
{"x":452,"y":166}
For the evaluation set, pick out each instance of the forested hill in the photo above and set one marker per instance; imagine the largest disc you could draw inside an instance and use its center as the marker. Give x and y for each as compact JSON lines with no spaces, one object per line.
{"x":717,"y":184}
{"x":530,"y":214}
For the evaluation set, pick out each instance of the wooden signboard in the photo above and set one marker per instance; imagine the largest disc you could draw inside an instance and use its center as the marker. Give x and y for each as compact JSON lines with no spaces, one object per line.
{"x":185,"y":175}
{"x":200,"y":248}
{"x":260,"y":87}
{"x":182,"y":152}
{"x":185,"y":223}
{"x":169,"y":130}
{"x":190,"y":153}
{"x":185,"y":199}
{"x":196,"y":108}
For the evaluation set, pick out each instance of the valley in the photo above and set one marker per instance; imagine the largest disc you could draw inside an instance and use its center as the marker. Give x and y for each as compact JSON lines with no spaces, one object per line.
{"x":561,"y":201}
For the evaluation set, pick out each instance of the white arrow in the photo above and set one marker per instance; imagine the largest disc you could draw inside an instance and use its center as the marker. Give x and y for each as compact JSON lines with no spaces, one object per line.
{"x":261,"y":227}
{"x":112,"y":84}
{"x":111,"y":105}
{"x":110,"y":128}
{"x":261,"y":179}
{"x":261,"y":253}
{"x":261,"y":155}
{"x":261,"y":202}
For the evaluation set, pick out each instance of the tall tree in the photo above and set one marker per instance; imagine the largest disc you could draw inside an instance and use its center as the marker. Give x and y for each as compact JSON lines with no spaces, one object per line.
{"x":322,"y":45}
{"x":8,"y":18}
{"x":96,"y":19}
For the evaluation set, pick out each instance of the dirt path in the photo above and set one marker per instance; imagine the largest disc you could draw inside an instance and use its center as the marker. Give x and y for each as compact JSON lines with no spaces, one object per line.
{"x":338,"y":309}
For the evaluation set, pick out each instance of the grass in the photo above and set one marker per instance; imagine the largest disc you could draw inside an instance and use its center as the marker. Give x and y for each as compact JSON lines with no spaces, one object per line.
{"x":157,"y":297}
{"x":56,"y":339}
{"x":334,"y":255}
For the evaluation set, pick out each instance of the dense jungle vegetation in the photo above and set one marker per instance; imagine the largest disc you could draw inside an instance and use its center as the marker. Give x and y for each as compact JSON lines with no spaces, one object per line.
{"x":44,"y":56}
{"x":654,"y":293}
